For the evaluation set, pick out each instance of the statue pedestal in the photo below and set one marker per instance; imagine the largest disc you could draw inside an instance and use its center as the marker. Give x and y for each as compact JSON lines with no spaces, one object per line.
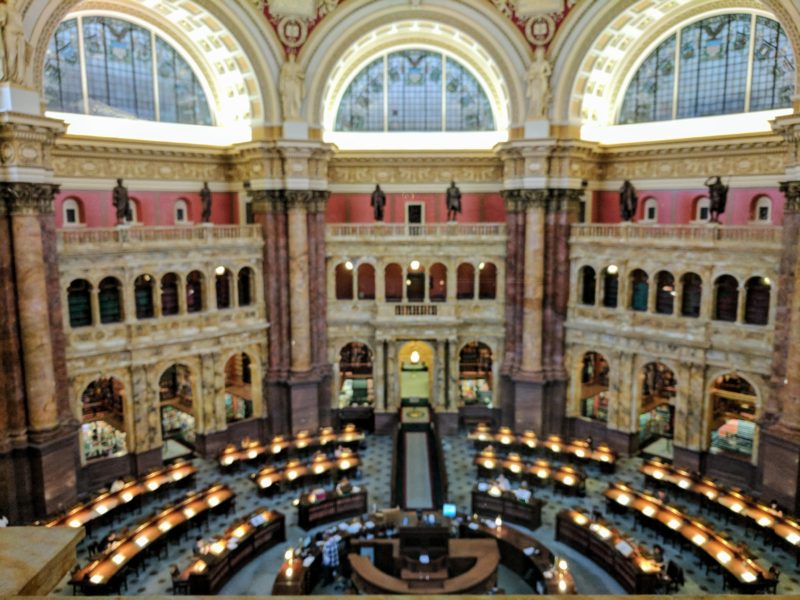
{"x":295,"y":130}
{"x":20,"y":100}
{"x":537,"y":129}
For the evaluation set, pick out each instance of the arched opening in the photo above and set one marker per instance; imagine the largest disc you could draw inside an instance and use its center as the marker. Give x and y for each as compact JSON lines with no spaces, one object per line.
{"x":355,"y":375}
{"x":222,"y":286}
{"x":415,"y":282}
{"x":135,"y":211}
{"x":194,"y":292}
{"x":657,"y":405}
{"x":761,"y":211}
{"x":691,"y":295}
{"x":465,"y":282}
{"x":594,"y":387}
{"x":610,"y":286}
{"x":640,"y":288}
{"x":103,"y":419}
{"x":650,"y":211}
{"x":72,"y":212}
{"x":587,"y":284}
{"x":475,"y":381}
{"x":756,"y":304}
{"x":416,"y":362}
{"x":245,"y":286}
{"x":169,"y":295}
{"x":702,"y":210}
{"x":176,"y":399}
{"x":727,"y":298}
{"x":79,"y":302}
{"x":143,"y":296}
{"x":487,"y":281}
{"x":181,"y":212}
{"x":393,"y":282}
{"x":438,"y":283}
{"x":733,"y":422}
{"x":366,"y":282}
{"x":665,"y":293}
{"x":344,"y":281}
{"x":110,"y":299}
{"x":238,"y":388}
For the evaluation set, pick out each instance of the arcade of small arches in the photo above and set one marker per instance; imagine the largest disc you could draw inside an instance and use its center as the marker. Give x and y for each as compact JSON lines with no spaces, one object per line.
{"x":74,"y":212}
{"x":107,"y":300}
{"x":736,"y":300}
{"x":357,"y":280}
{"x":107,"y":410}
{"x":760,"y":210}
{"x":730,"y":414}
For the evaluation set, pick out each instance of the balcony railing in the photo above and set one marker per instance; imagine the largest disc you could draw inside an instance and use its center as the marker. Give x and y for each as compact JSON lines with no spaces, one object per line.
{"x":136,"y":235}
{"x":700,"y":234}
{"x":406,"y":230}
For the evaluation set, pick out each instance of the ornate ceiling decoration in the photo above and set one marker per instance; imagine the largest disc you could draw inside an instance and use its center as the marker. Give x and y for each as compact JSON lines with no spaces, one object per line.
{"x":538,"y":20}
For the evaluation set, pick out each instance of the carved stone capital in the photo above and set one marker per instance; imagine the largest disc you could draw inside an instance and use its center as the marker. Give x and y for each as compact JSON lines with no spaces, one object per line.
{"x":788,"y":127}
{"x":320,"y":200}
{"x":267,"y":201}
{"x":791,"y":189}
{"x":534,"y":198}
{"x":303,"y":199}
{"x":27,"y":198}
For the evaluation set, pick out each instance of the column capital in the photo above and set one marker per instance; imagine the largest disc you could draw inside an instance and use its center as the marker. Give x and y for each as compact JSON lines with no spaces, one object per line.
{"x":521,"y":199}
{"x":266,"y":201}
{"x":300,"y":199}
{"x":27,"y":198}
{"x":791,"y":189}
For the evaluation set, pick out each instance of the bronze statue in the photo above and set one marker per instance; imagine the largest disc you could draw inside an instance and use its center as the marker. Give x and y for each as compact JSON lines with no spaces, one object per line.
{"x":718,"y":195}
{"x":627,"y":201}
{"x":122,"y":203}
{"x":378,"y":201}
{"x":205,"y":199}
{"x":453,"y":201}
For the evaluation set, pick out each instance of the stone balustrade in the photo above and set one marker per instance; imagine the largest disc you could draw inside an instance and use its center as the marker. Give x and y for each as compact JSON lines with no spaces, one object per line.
{"x":701,"y":235}
{"x":390,"y":231}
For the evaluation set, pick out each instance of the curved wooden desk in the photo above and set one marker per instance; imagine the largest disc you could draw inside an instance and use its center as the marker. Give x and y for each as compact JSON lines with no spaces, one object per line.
{"x":477,"y":580}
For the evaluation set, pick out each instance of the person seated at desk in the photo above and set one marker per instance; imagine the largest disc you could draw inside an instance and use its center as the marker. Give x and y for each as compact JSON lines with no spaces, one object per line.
{"x":110,"y":541}
{"x":330,"y":558}
{"x":658,"y":557}
{"x":503,"y":483}
{"x":200,"y":546}
{"x":776,"y":507}
{"x":337,"y":453}
{"x":116,"y":486}
{"x":3,"y":521}
{"x":344,"y":487}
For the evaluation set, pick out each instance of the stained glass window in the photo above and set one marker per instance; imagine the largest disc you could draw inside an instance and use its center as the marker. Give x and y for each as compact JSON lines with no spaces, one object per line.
{"x":414,"y":90}
{"x":120,"y":75}
{"x":713,"y":61}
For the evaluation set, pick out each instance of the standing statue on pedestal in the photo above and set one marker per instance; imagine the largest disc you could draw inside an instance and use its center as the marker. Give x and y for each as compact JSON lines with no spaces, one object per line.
{"x":15,"y":51}
{"x":453,"y":201}
{"x":538,"y":91}
{"x":628,"y":201}
{"x":718,"y":195}
{"x":122,"y":203}
{"x":292,"y":88}
{"x":205,"y":200}
{"x":378,"y":201}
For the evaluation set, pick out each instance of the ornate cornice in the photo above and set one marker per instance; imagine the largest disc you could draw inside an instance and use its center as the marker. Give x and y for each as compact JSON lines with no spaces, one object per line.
{"x":386,"y":167}
{"x":27,"y":198}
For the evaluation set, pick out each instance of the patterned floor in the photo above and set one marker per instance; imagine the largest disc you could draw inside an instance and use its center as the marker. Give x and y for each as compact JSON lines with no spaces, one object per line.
{"x":257,"y":577}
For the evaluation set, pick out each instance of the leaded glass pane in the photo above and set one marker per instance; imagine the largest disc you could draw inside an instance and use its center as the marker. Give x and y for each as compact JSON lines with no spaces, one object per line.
{"x":62,"y":70}
{"x":467,"y":108}
{"x":773,"y":67}
{"x":415,"y":91}
{"x":361,"y":107}
{"x":649,"y":95}
{"x":180,"y":96}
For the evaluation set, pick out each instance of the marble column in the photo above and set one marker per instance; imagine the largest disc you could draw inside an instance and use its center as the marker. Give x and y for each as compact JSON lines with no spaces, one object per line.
{"x":378,"y":376}
{"x":533,"y":286}
{"x":299,"y":313}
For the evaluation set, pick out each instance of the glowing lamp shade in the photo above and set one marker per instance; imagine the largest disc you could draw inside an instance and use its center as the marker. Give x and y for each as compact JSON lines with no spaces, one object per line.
{"x":152,"y":486}
{"x":569,"y":480}
{"x":319,"y":469}
{"x":673,"y":523}
{"x":227,"y":461}
{"x":220,"y":270}
{"x":748,"y":577}
{"x":562,"y":564}
{"x":649,"y":511}
{"x":142,"y":541}
{"x":276,"y":449}
{"x":562,"y":586}
{"x":96,"y":579}
{"x":127,"y":497}
{"x":414,"y":265}
{"x":213,"y":501}
{"x":265,"y":482}
{"x":623,"y":499}
{"x":515,"y":468}
{"x":580,"y":453}
{"x":164,"y":526}
{"x":217,"y":548}
{"x":498,"y":521}
{"x":75,"y":523}
{"x":723,"y":557}
{"x":288,"y":554}
{"x":542,"y":474}
{"x":765,"y":521}
{"x":793,"y":538}
{"x":414,"y":357}
{"x":252,"y":454}
{"x":292,"y":475}
{"x":348,"y":265}
{"x":239,"y":532}
{"x":612,"y":269}
{"x":118,"y":559}
{"x":101,"y":509}
{"x":177,"y":476}
{"x":289,"y":572}
{"x":684,"y":484}
{"x":188,"y":512}
{"x":658,"y":475}
{"x":699,"y":539}
{"x":736,"y":507}
{"x":345,"y":464}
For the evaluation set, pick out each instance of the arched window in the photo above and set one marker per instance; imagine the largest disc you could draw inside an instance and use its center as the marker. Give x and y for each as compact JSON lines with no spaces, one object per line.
{"x":194,"y":292}
{"x":222,"y":284}
{"x":640,"y":288}
{"x":714,"y":70}
{"x":72,"y":212}
{"x":487,"y":281}
{"x":393,"y":282}
{"x":594,"y":387}
{"x":587,"y":280}
{"x":692,"y":293}
{"x":344,"y":281}
{"x":465,"y":282}
{"x":355,"y":375}
{"x":733,"y":425}
{"x":665,"y":293}
{"x":475,"y":374}
{"x":762,"y":210}
{"x":610,"y":286}
{"x":366,"y":282}
{"x":702,"y":210}
{"x":169,"y":295}
{"x":650,"y":211}
{"x":245,"y":286}
{"x":181,"y":212}
{"x":657,"y":405}
{"x":134,"y":206}
{"x":415,"y":282}
{"x":121,"y":76}
{"x":103,"y":419}
{"x":438,"y":283}
{"x":176,"y":399}
{"x":109,"y":296}
{"x":727,"y":298}
{"x":79,"y":301}
{"x":756,"y":306}
{"x":238,"y":388}
{"x":143,"y":296}
{"x":424,"y":91}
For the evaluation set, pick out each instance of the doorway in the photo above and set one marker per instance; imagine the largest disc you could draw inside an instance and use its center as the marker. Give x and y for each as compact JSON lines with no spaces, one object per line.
{"x":416,"y":368}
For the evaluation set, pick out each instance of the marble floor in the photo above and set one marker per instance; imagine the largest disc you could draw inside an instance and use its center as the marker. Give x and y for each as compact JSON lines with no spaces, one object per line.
{"x":256,"y":578}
